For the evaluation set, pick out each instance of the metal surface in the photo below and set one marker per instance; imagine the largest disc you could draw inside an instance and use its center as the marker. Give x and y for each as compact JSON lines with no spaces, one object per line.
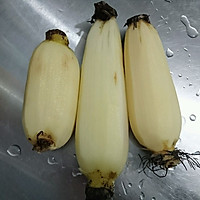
{"x":26,"y":174}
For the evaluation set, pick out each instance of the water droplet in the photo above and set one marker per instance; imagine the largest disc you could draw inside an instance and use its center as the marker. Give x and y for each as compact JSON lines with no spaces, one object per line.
{"x":192,"y":117}
{"x":74,"y":155}
{"x":198,"y":93}
{"x":184,"y":87}
{"x":130,"y":155}
{"x":130,"y":185}
{"x":153,"y":198}
{"x":191,"y":31}
{"x":179,"y":75}
{"x":141,"y":184}
{"x":171,"y":169}
{"x":187,"y":78}
{"x":156,"y":9}
{"x":185,"y":49}
{"x":169,"y":1}
{"x":142,"y":196}
{"x":197,"y":152}
{"x":14,"y":150}
{"x":179,"y":141}
{"x":76,"y":173}
{"x":162,"y":17}
{"x":124,"y":188}
{"x":183,"y":121}
{"x":190,"y":84}
{"x":51,"y":160}
{"x":152,"y":2}
{"x":169,"y":52}
{"x":189,"y":55}
{"x":169,"y":28}
{"x":171,"y":73}
{"x":60,"y":10}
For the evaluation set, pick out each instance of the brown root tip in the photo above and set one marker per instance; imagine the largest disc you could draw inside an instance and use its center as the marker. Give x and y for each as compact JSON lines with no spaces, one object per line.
{"x":57,"y":36}
{"x":103,"y":12}
{"x":135,"y":19}
{"x":44,"y":142}
{"x":98,"y":193}
{"x":49,"y":33}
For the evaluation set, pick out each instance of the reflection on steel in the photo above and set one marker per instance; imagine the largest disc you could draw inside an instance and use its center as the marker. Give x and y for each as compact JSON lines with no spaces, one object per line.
{"x":23,"y":25}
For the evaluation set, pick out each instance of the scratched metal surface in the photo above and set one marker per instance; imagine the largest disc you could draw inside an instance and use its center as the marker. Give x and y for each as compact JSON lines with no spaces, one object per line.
{"x":50,"y":175}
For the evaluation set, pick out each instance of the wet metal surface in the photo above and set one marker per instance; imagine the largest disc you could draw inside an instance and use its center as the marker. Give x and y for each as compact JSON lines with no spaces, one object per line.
{"x":27,"y":175}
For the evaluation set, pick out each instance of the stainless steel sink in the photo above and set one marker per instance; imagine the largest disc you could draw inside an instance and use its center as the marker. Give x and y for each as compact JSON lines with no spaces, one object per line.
{"x":27,"y":175}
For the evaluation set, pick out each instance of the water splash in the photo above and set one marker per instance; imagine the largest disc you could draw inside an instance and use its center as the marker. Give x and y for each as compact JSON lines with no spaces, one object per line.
{"x":191,"y":31}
